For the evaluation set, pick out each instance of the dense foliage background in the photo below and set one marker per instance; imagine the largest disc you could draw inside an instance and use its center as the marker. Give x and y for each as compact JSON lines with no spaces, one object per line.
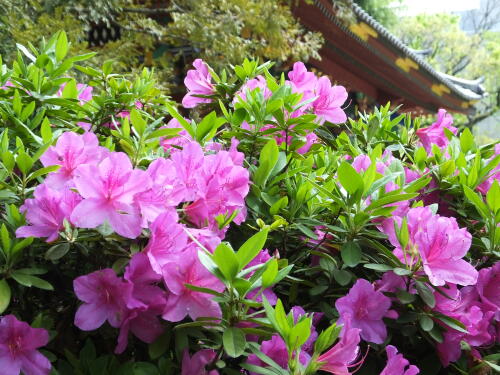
{"x":195,"y":237}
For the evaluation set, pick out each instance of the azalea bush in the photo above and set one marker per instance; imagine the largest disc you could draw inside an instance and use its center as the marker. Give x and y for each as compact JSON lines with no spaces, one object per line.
{"x":254,"y":229}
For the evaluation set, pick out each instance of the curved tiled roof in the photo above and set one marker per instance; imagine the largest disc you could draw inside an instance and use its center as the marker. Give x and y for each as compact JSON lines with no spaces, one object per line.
{"x":463,"y":92}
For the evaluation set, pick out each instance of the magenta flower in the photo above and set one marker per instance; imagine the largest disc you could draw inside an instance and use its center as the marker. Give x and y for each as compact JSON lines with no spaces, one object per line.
{"x":164,"y":194}
{"x":330,"y":99}
{"x":258,"y":82}
{"x":105,"y":297}
{"x":195,"y":365}
{"x":439,"y":243}
{"x":71,"y":151}
{"x":261,"y":258}
{"x":168,"y":238}
{"x":301,"y":79}
{"x":188,"y":164}
{"x":225,"y":186}
{"x":397,"y":364}
{"x":434,"y":134}
{"x":275,"y":348}
{"x":18,"y":348}
{"x":487,"y":287}
{"x":187,"y":269}
{"x":108,"y":190}
{"x":311,"y":139}
{"x":342,"y":355}
{"x":46,"y":212}
{"x":365,"y":308}
{"x":198,"y":82}
{"x":84,"y":92}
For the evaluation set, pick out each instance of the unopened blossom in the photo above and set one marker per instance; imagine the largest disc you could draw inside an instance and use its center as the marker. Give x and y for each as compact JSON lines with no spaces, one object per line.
{"x":342,"y":355}
{"x":168,"y":238}
{"x":196,"y":364}
{"x":365,"y":308}
{"x":435,"y":134}
{"x":275,"y":348}
{"x":397,"y":364}
{"x":18,"y":348}
{"x":182,"y":302}
{"x":440,"y":245}
{"x":330,"y":99}
{"x":104,"y":296}
{"x":108,"y":190}
{"x":46,"y":212}
{"x":198,"y":81}
{"x":71,"y":151}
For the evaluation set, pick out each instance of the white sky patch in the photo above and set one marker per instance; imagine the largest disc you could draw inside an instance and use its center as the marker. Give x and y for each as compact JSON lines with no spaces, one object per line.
{"x":413,"y":7}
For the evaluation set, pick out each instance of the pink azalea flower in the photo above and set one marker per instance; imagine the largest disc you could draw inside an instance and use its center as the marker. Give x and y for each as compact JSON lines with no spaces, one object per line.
{"x":187,"y":269}
{"x":18,"y":348}
{"x":195,"y":365}
{"x":301,"y":79}
{"x":198,"y":82}
{"x":105,"y":297}
{"x":330,"y":99}
{"x":258,"y":82}
{"x":365,"y":308}
{"x":147,"y":303}
{"x":225,"y":188}
{"x":71,"y":151}
{"x":434,"y":134}
{"x":342,"y":355}
{"x":108,"y":190}
{"x":275,"y":348}
{"x":311,"y":139}
{"x":165,"y":192}
{"x":439,"y":243}
{"x":84,"y":92}
{"x":46,"y":212}
{"x":397,"y":364}
{"x":182,"y":138}
{"x":487,"y":287}
{"x":188,"y":164}
{"x":168,"y":238}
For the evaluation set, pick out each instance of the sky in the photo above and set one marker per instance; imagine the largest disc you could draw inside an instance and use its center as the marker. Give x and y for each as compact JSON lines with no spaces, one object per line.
{"x":438,"y":6}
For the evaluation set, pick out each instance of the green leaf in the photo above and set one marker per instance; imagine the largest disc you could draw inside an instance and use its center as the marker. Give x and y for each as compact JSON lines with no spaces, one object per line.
{"x":226,"y":260}
{"x":46,"y":130}
{"x":426,"y":323}
{"x":5,"y":295}
{"x":343,"y":277}
{"x":378,"y":267}
{"x":186,"y":125}
{"x":351,"y":253}
{"x":234,"y":341}
{"x":349,"y":178}
{"x":300,"y":333}
{"x":137,"y":121}
{"x":466,"y":140}
{"x":57,"y":251}
{"x":251,"y":248}
{"x":61,"y":46}
{"x":208,"y":125}
{"x":24,"y":162}
{"x":405,"y":297}
{"x":30,"y":280}
{"x":493,"y":196}
{"x":453,"y":323}
{"x":159,"y":347}
{"x":267,"y":160}
{"x":426,"y":294}
{"x":6,"y":242}
{"x":270,"y":273}
{"x":477,"y":201}
{"x":327,"y":338}
{"x":43,"y":171}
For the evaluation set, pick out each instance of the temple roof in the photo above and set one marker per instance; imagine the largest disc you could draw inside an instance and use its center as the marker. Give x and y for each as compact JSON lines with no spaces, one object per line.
{"x":366,"y":57}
